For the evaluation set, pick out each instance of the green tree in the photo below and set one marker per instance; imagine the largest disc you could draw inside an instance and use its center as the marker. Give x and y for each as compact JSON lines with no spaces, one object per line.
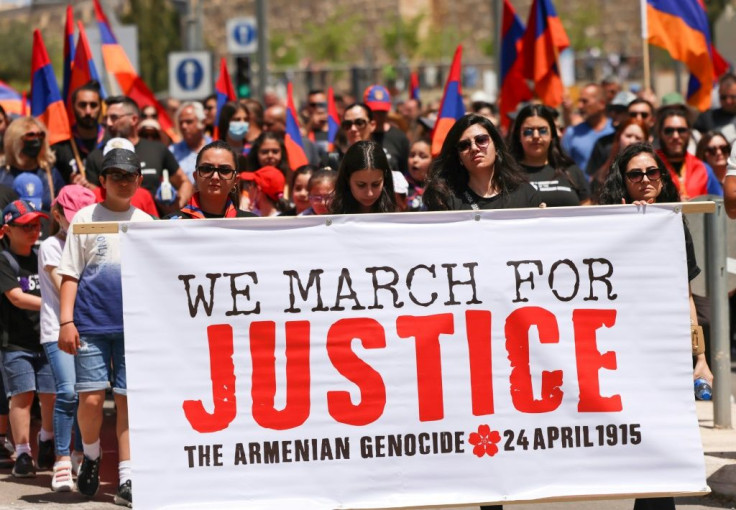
{"x":401,"y":36}
{"x":440,"y":42}
{"x":16,"y":46}
{"x":325,"y":42}
{"x":284,"y":50}
{"x":581,"y":26}
{"x":159,"y":32}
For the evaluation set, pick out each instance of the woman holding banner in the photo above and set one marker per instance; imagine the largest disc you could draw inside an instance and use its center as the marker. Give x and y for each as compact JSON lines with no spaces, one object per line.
{"x":475,"y":171}
{"x":364,"y":181}
{"x":216,"y":178}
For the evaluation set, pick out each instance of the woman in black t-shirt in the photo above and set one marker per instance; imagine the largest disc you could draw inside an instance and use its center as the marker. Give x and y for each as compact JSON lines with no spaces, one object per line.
{"x":364,"y":181}
{"x":475,"y":171}
{"x":535,"y":144}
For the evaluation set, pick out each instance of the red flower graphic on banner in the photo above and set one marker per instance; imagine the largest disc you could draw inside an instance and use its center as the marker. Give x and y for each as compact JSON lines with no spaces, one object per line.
{"x":484,"y":441}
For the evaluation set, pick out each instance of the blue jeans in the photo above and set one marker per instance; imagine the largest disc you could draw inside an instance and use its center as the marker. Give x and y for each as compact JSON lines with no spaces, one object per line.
{"x":93,"y":361}
{"x":65,"y":406}
{"x":25,"y":371}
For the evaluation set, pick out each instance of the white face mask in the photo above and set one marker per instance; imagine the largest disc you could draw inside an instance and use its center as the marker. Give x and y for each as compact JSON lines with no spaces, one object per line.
{"x":237,"y":129}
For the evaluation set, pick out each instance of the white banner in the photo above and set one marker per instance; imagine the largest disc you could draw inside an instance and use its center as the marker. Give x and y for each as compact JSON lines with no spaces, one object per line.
{"x":382,"y":361}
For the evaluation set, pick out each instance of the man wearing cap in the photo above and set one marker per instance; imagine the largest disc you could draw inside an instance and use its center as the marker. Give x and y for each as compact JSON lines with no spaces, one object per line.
{"x":578,"y":140}
{"x":122,"y":121}
{"x":274,"y":120}
{"x":392,"y":139}
{"x":91,"y":318}
{"x":191,"y":119}
{"x":26,"y":369}
{"x":617,"y":110}
{"x":87,"y":133}
{"x":723,"y":118}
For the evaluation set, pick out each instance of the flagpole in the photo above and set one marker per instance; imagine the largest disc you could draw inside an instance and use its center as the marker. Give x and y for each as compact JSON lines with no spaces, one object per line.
{"x":497,"y":8}
{"x":645,"y":44}
{"x":77,"y":157}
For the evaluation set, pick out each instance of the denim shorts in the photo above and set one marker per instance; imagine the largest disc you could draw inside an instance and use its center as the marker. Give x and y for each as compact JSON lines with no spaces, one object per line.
{"x":96,"y":356}
{"x":25,"y":371}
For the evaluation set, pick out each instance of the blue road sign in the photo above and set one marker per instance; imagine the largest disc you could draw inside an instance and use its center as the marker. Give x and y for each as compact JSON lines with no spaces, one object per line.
{"x":189,"y":74}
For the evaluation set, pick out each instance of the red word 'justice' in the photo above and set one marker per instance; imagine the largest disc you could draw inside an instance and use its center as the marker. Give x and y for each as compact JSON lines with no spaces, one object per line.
{"x":426,"y":331}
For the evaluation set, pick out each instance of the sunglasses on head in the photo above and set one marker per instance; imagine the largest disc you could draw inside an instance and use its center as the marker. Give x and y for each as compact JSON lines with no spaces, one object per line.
{"x":481,"y":141}
{"x":653,"y":174}
{"x":206,"y":170}
{"x":669,"y":131}
{"x":529,"y":132}
{"x":359,"y":123}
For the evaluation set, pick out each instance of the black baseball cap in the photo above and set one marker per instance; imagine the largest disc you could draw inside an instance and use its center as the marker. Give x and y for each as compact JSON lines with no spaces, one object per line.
{"x":121,"y":159}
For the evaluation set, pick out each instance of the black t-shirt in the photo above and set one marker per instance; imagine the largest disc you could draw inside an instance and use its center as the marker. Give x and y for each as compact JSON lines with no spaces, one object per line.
{"x":66,"y":163}
{"x":523,"y":196}
{"x":22,"y":326}
{"x":395,"y":142}
{"x":568,"y":189}
{"x":7,"y":195}
{"x":601,"y":152}
{"x":154,"y":156}
{"x":692,"y":265}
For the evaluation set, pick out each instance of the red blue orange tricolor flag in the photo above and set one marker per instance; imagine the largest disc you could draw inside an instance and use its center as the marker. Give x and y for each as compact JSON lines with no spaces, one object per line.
{"x":118,"y":65}
{"x":451,"y":107}
{"x":293,"y":137}
{"x":46,"y":103}
{"x":514,"y":88}
{"x":414,"y":85}
{"x":11,"y":100}
{"x":681,"y":28}
{"x":68,"y":50}
{"x":224,"y":91}
{"x":544,"y":39}
{"x":83,"y":71}
{"x":333,"y":119}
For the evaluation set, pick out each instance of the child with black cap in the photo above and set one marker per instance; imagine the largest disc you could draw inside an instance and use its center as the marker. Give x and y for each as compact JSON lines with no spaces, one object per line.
{"x":25,"y":368}
{"x":91,"y":317}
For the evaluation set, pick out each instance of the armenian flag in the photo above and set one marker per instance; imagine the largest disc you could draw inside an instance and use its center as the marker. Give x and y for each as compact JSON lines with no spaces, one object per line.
{"x":514,"y":88}
{"x":224,"y":90}
{"x":46,"y":103}
{"x":681,"y":28}
{"x":68,"y":50}
{"x":11,"y":100}
{"x":542,"y":43}
{"x":451,"y":107}
{"x":333,"y":119}
{"x":414,"y":85}
{"x":83,"y":71}
{"x":293,"y":137}
{"x":118,"y":65}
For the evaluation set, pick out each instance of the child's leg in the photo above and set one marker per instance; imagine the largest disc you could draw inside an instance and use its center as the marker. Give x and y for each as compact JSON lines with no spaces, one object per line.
{"x":121,"y":407}
{"x":20,"y":417}
{"x":65,"y":404}
{"x":89,"y":415}
{"x":47,"y":411}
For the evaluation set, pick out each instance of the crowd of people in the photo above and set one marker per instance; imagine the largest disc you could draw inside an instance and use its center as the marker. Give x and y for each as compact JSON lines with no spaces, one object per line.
{"x":60,"y":295}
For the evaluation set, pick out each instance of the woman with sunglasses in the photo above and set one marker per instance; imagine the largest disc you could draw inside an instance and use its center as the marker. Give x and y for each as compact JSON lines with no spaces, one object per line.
{"x":216,"y":179}
{"x":357,"y":125}
{"x":27,"y":150}
{"x":475,"y":171}
{"x":639,"y":176}
{"x":714,"y":149}
{"x":535,"y":144}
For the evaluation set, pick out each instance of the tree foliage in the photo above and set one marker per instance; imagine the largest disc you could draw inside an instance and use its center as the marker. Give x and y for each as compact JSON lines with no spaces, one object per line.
{"x":159,"y":32}
{"x":400,"y":37}
{"x":16,"y":47}
{"x":326,"y":42}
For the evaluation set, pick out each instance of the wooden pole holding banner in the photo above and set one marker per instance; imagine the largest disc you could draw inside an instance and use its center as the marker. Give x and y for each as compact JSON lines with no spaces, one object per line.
{"x":77,"y":157}
{"x":647,"y":84}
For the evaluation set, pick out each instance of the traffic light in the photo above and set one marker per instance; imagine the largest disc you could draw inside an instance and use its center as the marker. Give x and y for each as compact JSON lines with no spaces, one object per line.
{"x":242,"y":77}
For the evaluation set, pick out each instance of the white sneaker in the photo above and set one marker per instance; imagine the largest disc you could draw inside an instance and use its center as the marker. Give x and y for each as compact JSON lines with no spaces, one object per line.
{"x":76,"y":461}
{"x":62,"y":479}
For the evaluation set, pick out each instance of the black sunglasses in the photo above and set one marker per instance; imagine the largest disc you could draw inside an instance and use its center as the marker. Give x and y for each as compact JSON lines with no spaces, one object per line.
{"x":723,"y":149}
{"x":359,"y":123}
{"x":206,"y":170}
{"x":653,"y":174}
{"x":481,"y":141}
{"x":669,"y":131}
{"x":122,"y":176}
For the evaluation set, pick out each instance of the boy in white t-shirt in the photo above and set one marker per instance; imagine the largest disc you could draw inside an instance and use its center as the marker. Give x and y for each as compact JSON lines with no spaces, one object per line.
{"x":70,"y":199}
{"x":91,"y":317}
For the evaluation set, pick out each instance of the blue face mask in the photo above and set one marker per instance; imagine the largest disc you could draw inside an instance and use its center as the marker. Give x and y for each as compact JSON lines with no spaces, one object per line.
{"x":238,"y":129}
